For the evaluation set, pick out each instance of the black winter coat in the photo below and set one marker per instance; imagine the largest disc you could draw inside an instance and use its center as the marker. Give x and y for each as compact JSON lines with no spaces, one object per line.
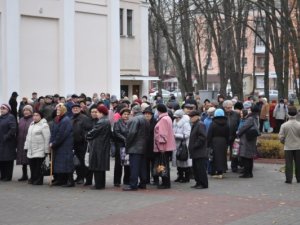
{"x":120,"y":133}
{"x":197,"y":144}
{"x":218,"y":140}
{"x":62,"y":145}
{"x":138,"y":131}
{"x":8,"y":139}
{"x":99,"y":145}
{"x":81,"y":125}
{"x":150,"y":139}
{"x":233,"y":121}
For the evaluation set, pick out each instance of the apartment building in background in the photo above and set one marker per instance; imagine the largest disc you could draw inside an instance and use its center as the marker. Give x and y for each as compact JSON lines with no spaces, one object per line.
{"x":73,"y":46}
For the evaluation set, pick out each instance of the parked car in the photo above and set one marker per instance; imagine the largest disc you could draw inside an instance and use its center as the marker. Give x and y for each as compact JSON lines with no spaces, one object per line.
{"x":165,"y":93}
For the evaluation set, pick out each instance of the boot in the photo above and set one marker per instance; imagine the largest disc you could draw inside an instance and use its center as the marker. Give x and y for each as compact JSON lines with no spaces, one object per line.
{"x":180,"y":175}
{"x":70,"y":181}
{"x":186,"y":177}
{"x":24,"y":171}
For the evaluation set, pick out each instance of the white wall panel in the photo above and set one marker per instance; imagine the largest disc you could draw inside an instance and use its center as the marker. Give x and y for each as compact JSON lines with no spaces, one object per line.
{"x":39,"y":57}
{"x":90,"y":53}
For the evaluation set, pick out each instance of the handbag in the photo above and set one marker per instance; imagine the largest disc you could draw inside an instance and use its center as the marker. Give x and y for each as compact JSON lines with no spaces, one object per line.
{"x":252,"y":132}
{"x":46,"y":166}
{"x":182,"y":153}
{"x":160,"y":167}
{"x":267,"y":126}
{"x":236,"y":147}
{"x":87,"y":156}
{"x":76,"y":161}
{"x":124,"y":157}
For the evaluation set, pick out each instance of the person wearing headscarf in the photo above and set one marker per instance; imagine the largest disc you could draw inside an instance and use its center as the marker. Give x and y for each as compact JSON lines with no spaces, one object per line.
{"x":61,"y":142}
{"x":218,"y":140}
{"x":23,"y":126}
{"x":8,"y":128}
{"x":181,"y":130}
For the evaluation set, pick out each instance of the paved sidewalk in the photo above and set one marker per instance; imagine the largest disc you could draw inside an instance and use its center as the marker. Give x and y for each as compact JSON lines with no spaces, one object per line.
{"x":262,"y":200}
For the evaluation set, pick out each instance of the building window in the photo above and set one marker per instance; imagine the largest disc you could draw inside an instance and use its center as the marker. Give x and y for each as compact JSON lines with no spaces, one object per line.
{"x":244,"y":62}
{"x":259,"y":41}
{"x":121,"y":22}
{"x":129,"y":22}
{"x":260,"y":62}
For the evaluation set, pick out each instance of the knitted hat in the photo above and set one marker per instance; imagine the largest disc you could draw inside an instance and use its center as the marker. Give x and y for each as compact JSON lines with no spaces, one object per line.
{"x":178,"y":113}
{"x":102,"y":109}
{"x":161,"y":108}
{"x":136,"y":109}
{"x":6,"y":106}
{"x":75,"y":105}
{"x":144,"y":105}
{"x":219,"y":112}
{"x":247,"y":105}
{"x":113,"y":99}
{"x":28,"y":107}
{"x":124,"y":110}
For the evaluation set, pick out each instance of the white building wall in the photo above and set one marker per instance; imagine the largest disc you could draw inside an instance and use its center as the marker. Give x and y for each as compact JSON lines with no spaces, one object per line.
{"x":68,"y":46}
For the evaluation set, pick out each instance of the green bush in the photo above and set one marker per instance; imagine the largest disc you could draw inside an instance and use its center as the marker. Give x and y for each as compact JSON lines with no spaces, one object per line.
{"x":269,"y":146}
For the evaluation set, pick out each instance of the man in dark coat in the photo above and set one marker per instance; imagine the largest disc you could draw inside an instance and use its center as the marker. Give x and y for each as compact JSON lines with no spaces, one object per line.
{"x":8,"y":127}
{"x":14,"y":104}
{"x":99,"y":147}
{"x":138,"y":128}
{"x":233,"y":120}
{"x":48,"y":108}
{"x":81,"y":125}
{"x":198,"y":150}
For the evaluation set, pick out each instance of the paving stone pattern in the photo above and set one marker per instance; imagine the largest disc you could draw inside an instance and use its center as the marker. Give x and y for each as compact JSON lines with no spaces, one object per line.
{"x":262,"y":200}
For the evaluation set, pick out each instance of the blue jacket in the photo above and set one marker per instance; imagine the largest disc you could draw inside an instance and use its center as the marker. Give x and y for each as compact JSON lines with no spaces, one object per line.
{"x":62,"y":145}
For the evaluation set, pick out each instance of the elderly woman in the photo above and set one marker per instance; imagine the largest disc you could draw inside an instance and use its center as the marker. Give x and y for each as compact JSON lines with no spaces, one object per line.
{"x":182,"y":130}
{"x":8,"y":127}
{"x":61,"y":142}
{"x":218,"y":139}
{"x":99,"y":147}
{"x":120,"y":134}
{"x":24,"y":124}
{"x":164,"y":141}
{"x":248,"y":145}
{"x":37,"y":145}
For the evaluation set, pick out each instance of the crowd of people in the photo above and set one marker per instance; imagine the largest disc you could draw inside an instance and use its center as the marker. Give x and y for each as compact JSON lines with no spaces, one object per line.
{"x":82,"y":133}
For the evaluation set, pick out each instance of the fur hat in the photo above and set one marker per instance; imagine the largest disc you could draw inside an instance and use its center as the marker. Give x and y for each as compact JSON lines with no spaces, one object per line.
{"x":161,"y":108}
{"x":6,"y":106}
{"x":194,"y":113}
{"x":40,"y":113}
{"x":292,"y":111}
{"x":178,"y":113}
{"x":102,"y":109}
{"x":219,"y":113}
{"x":28,"y":107}
{"x":247,"y":105}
